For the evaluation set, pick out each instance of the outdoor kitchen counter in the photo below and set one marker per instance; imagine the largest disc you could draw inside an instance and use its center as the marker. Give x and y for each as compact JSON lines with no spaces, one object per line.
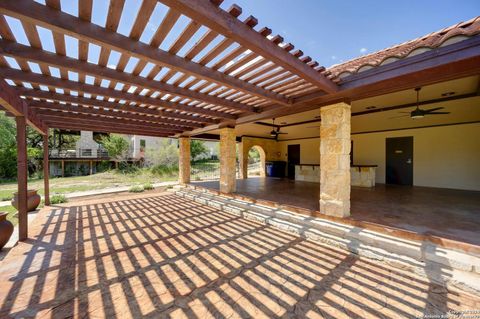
{"x":361,"y":175}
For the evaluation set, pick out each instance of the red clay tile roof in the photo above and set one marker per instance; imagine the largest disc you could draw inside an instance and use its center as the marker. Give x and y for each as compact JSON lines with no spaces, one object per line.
{"x":450,"y":35}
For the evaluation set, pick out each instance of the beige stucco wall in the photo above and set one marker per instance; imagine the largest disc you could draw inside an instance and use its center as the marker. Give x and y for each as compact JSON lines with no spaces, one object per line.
{"x":446,"y":156}
{"x":269,"y":146}
{"x":309,"y":150}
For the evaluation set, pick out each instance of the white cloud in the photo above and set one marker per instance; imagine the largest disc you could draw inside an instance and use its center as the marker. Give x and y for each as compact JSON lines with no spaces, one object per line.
{"x":363,"y":50}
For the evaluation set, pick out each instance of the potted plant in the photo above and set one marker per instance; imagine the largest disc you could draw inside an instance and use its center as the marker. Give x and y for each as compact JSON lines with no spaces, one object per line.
{"x":6,"y":229}
{"x":33,"y":200}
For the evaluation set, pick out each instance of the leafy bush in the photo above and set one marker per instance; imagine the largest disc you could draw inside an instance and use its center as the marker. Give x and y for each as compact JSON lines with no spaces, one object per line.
{"x":103,"y":166}
{"x":166,"y":154}
{"x":136,"y":189}
{"x":116,"y":146}
{"x":127,"y":168}
{"x":148,"y":186}
{"x":58,"y":199}
{"x":163,"y":170}
{"x":197,"y":149}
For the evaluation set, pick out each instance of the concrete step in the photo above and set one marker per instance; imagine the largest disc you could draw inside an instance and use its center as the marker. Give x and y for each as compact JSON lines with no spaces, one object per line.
{"x":439,"y":264}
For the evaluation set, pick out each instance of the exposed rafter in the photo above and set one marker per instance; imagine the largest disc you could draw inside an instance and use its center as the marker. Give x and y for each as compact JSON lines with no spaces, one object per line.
{"x":39,"y":56}
{"x":13,"y":104}
{"x":210,"y":15}
{"x":60,"y":22}
{"x":171,"y":117}
{"x":108,"y":93}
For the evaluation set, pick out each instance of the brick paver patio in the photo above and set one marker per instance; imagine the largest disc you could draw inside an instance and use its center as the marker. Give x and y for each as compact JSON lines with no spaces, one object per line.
{"x":163,"y":256}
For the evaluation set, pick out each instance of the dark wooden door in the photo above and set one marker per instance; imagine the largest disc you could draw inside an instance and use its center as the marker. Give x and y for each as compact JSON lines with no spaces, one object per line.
{"x":399,"y":158}
{"x":293,"y":159}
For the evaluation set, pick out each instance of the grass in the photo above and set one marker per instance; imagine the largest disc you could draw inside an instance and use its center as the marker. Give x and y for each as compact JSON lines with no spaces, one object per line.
{"x":136,"y":189}
{"x":58,"y":199}
{"x":148,"y":186}
{"x":66,"y":185}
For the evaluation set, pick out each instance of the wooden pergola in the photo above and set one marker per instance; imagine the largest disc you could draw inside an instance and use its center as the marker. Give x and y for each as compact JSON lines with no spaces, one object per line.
{"x":234,"y":73}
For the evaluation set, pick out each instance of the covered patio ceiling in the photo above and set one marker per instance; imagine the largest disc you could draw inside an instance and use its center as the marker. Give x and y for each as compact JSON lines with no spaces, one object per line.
{"x":221,"y":69}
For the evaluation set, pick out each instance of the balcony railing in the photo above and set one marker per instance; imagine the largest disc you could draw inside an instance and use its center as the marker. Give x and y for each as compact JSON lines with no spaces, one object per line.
{"x":79,"y":153}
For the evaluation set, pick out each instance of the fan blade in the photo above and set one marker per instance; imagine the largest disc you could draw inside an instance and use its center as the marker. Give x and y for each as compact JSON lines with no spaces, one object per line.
{"x":397,"y":117}
{"x":281,"y":133}
{"x":432,"y":110}
{"x":406,"y":112}
{"x":435,"y":113}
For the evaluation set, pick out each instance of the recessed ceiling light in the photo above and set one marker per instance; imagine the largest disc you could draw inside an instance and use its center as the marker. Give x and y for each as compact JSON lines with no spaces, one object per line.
{"x":371,"y":107}
{"x":448,"y":94}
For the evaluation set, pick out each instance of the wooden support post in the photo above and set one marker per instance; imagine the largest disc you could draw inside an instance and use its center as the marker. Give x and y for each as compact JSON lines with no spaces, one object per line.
{"x":46,"y":170}
{"x":63,"y":168}
{"x":91,"y":167}
{"x":184,"y":160}
{"x":22,"y":177}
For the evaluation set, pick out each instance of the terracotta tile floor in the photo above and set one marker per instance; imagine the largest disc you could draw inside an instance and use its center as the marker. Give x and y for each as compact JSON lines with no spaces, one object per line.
{"x":163,"y":256}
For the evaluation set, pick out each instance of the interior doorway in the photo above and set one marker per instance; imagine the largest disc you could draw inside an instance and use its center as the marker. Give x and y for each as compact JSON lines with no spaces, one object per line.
{"x":293,"y":159}
{"x":399,"y":160}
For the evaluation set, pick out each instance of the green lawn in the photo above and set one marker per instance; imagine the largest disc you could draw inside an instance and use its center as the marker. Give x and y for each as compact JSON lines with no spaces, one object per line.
{"x":65,"y":185}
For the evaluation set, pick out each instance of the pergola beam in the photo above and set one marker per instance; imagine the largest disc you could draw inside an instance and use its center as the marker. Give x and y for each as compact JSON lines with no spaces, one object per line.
{"x":208,"y":14}
{"x":13,"y":104}
{"x":27,"y":53}
{"x":108,"y":93}
{"x":34,"y":105}
{"x":60,"y":22}
{"x":71,"y":118}
{"x":100,"y":128}
{"x":173,"y":117}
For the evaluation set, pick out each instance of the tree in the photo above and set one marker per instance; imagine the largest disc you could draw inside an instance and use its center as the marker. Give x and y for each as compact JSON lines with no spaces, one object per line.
{"x":8,"y":148}
{"x":197,"y":148}
{"x":166,"y":154}
{"x":116,"y":146}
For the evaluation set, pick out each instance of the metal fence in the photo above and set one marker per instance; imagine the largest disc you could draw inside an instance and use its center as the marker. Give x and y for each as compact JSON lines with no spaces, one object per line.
{"x":208,"y":171}
{"x":79,"y":153}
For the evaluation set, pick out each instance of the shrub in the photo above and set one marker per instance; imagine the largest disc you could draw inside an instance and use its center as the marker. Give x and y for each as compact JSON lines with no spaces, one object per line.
{"x":148,"y":186}
{"x":136,"y":189}
{"x":163,"y":170}
{"x":127,"y":168}
{"x":58,"y":199}
{"x":166,"y":154}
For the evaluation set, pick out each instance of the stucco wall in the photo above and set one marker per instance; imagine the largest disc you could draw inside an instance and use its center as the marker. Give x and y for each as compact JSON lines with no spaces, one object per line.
{"x":446,"y":156}
{"x":309,"y":150}
{"x":269,"y":146}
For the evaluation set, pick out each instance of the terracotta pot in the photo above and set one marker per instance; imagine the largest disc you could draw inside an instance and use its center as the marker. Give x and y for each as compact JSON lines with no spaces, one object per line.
{"x":33,"y":200}
{"x":6,"y":229}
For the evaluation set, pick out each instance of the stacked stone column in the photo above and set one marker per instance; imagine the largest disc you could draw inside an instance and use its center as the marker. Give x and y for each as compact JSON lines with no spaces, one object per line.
{"x":227,"y":160}
{"x":335,"y":160}
{"x":184,"y":160}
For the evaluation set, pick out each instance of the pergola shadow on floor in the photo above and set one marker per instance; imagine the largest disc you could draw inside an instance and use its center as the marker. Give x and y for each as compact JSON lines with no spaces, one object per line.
{"x":164,"y":256}
{"x":446,"y":213}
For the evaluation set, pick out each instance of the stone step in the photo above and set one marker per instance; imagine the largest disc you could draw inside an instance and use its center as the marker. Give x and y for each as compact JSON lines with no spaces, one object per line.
{"x":439,"y":264}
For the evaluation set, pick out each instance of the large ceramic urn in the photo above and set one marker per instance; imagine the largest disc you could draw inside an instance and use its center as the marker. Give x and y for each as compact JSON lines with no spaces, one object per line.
{"x":6,"y":229}
{"x":33,"y":200}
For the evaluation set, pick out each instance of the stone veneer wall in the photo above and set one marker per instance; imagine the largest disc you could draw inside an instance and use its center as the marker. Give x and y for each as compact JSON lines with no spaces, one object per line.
{"x":228,"y":155}
{"x":307,"y":173}
{"x":269,"y":146}
{"x":362,"y":176}
{"x":184,"y":160}
{"x":335,"y":160}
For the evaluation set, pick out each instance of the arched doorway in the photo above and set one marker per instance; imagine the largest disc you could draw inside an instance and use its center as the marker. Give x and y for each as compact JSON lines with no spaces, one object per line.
{"x":256,"y":162}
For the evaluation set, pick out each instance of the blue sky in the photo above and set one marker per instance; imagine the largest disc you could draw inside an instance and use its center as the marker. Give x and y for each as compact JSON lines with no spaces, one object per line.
{"x":334,"y":30}
{"x":329,"y":31}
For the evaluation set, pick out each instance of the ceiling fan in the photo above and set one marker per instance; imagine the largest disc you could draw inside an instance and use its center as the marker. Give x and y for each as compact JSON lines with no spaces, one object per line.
{"x":419,"y":113}
{"x":276,"y":130}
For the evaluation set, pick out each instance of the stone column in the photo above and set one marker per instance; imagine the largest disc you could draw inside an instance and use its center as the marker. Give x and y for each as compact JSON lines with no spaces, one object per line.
{"x":243,"y":160}
{"x":22,"y":171}
{"x":227,"y":160}
{"x":184,"y":160}
{"x":335,"y":160}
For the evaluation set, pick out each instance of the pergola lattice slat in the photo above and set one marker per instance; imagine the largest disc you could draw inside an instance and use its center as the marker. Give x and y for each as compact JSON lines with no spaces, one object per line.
{"x":206,"y":13}
{"x":58,"y":21}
